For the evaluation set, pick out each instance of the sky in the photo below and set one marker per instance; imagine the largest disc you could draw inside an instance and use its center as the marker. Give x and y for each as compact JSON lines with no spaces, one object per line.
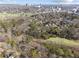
{"x":39,"y":1}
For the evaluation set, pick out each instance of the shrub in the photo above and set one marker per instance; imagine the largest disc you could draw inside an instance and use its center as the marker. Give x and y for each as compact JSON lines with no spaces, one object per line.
{"x":59,"y":52}
{"x":11,"y":42}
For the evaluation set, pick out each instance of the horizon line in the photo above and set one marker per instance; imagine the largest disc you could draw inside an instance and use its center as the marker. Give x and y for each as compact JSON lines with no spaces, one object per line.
{"x":43,"y":4}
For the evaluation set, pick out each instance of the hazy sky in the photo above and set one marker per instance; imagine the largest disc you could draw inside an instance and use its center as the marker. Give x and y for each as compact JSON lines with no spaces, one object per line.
{"x":39,"y":1}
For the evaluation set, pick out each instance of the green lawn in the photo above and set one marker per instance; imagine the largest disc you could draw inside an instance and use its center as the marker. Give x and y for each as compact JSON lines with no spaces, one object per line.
{"x":5,"y":15}
{"x":63,"y":41}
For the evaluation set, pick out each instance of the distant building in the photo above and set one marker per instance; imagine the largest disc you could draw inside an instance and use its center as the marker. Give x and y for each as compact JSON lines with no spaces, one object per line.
{"x":26,"y":4}
{"x":74,"y":10}
{"x":58,"y":9}
{"x":38,"y":6}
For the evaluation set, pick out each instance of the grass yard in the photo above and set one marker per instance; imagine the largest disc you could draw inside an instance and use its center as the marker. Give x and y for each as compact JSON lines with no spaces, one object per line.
{"x":64,"y":42}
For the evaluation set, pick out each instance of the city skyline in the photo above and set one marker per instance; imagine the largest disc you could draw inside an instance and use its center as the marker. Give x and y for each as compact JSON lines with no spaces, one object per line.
{"x":39,"y":1}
